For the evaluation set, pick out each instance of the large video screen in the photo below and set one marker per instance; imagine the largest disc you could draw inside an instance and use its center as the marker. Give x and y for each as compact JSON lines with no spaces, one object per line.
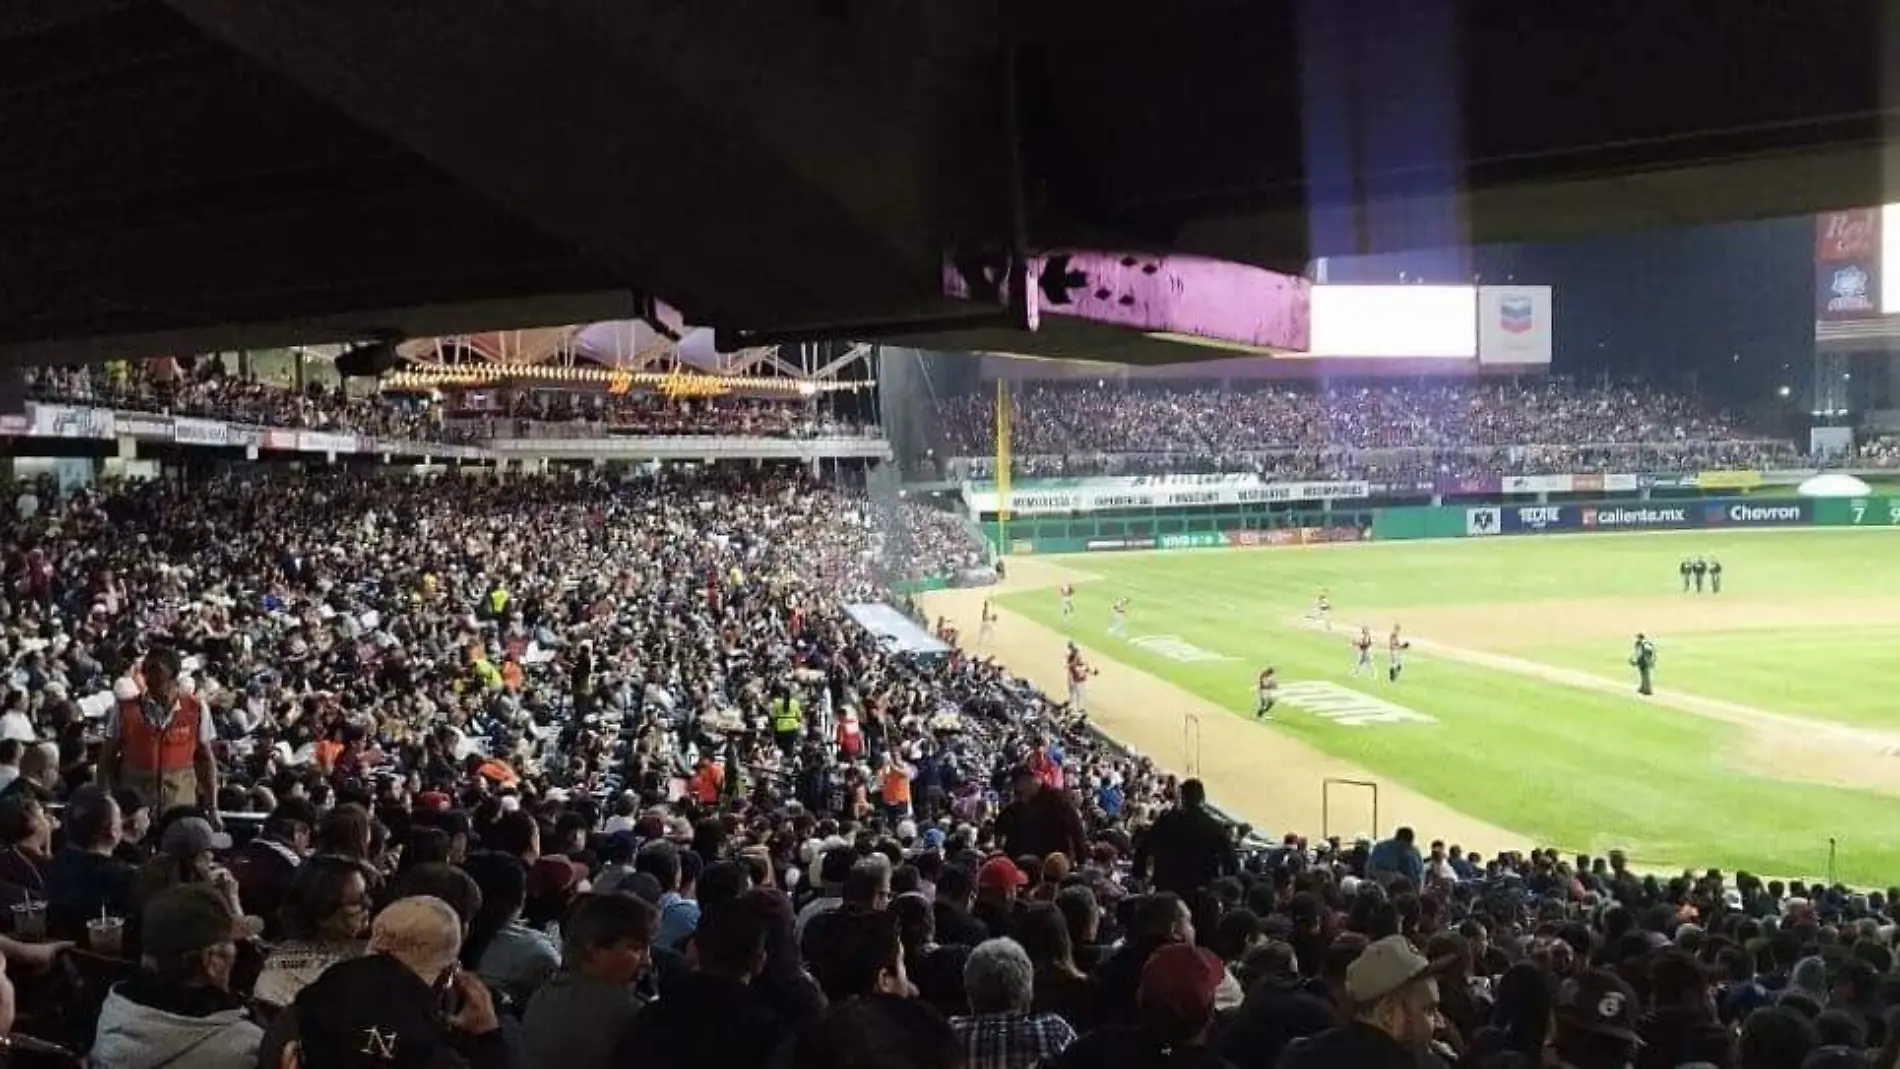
{"x":1409,"y":322}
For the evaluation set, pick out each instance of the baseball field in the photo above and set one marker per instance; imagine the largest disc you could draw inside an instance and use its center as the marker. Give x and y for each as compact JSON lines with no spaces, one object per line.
{"x":1516,"y":723}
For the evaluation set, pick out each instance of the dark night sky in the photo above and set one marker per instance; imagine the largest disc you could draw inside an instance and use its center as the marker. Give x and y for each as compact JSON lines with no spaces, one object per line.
{"x":1665,"y":304}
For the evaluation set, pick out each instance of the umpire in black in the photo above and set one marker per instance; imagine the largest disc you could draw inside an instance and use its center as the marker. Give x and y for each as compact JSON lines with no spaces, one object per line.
{"x":1643,"y":658}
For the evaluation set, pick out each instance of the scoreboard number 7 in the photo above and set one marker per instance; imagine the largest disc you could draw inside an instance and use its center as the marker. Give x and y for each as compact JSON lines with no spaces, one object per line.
{"x":1893,"y":513}
{"x":1860,"y":512}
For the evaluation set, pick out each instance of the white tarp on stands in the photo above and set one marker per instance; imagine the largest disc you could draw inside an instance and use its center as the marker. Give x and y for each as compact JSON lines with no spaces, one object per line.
{"x":895,"y":629}
{"x":1834,"y":484}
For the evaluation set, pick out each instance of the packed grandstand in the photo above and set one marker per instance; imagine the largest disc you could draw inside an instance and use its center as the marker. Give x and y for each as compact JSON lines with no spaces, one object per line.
{"x":587,"y":771}
{"x":1508,"y":427}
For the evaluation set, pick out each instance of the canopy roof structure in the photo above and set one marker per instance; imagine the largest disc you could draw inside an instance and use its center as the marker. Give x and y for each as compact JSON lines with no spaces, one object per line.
{"x":198,"y":175}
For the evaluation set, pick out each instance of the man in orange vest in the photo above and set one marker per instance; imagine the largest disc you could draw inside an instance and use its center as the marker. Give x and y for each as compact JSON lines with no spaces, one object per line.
{"x":158,"y":742}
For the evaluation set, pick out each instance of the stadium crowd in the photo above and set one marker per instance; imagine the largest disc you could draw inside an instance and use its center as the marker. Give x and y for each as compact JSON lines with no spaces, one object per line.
{"x":1394,"y":431}
{"x":208,"y":389}
{"x":586,"y":773}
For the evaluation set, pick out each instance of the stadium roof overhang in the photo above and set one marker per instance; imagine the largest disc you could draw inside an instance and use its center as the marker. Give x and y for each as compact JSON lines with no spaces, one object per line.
{"x":200,"y":174}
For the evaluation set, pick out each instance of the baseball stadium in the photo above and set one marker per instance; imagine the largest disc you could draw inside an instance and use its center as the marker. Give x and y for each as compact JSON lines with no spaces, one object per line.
{"x":949,"y":536}
{"x":1514,"y":576}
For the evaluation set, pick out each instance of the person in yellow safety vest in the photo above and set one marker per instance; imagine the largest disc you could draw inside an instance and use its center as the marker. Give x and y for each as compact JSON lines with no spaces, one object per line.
{"x":788,"y":720}
{"x":158,"y":742}
{"x":498,"y":601}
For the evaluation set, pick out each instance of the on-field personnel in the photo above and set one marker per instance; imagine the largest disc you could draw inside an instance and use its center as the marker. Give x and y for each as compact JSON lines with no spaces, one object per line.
{"x":788,"y":721}
{"x":1643,"y":659}
{"x":1269,"y":687}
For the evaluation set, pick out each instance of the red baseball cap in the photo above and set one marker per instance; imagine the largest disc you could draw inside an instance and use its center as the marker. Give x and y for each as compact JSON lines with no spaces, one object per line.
{"x":1000,"y":872}
{"x":1181,"y":979}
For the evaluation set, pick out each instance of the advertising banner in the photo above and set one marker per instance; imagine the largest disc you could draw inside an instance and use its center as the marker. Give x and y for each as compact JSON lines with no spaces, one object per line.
{"x":1096,"y":545}
{"x":312,"y":442}
{"x":1314,"y":536}
{"x":1619,"y":483}
{"x":200,"y":432}
{"x":1637,"y":517}
{"x":1728,"y":480}
{"x":286,"y":440}
{"x":1536,"y":519}
{"x":1661,"y":481}
{"x":1475,"y":484}
{"x":1587,"y":483}
{"x":1192,"y":540}
{"x":1279,"y":536}
{"x":142,"y":425}
{"x":1102,"y":494}
{"x":16,"y":423}
{"x":243,"y":437}
{"x":1482,"y":523}
{"x":70,"y":421}
{"x":1537,"y":484}
{"x":1847,"y":265}
{"x":1758,"y":513}
{"x":1514,"y":325}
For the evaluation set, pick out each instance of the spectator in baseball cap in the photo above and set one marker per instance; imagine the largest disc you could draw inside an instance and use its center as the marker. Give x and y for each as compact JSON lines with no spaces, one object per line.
{"x":178,"y":1010}
{"x":1175,"y":1010}
{"x":1597,"y":1020}
{"x":383,"y":1010}
{"x":998,"y":882}
{"x":1393,"y":998}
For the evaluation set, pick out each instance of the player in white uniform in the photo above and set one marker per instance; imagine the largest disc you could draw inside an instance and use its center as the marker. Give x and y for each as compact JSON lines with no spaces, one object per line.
{"x":1395,"y":648}
{"x":1068,"y":601}
{"x":1362,"y":648}
{"x":1118,"y":619}
{"x":1322,"y":610}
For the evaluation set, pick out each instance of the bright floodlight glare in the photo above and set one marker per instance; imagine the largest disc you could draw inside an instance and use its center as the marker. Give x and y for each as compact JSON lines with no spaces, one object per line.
{"x":1783,"y":391}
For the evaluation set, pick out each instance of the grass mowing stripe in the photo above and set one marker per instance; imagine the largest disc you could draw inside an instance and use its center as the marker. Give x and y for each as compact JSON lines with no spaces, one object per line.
{"x":1579,"y":769}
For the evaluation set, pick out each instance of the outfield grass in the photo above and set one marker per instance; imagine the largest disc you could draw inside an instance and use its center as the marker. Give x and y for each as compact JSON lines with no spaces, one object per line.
{"x":1826,"y":673}
{"x":1578,"y":769}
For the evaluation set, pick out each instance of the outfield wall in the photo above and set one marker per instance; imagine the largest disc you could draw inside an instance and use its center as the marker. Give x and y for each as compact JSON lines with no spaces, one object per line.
{"x":1171,"y":529}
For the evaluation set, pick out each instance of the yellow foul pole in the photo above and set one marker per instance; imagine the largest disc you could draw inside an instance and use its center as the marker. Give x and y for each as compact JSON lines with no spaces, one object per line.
{"x":1002,"y":466}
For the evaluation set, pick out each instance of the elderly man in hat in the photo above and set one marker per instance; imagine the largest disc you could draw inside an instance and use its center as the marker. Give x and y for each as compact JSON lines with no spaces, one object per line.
{"x":1394,"y":1001}
{"x":178,"y":1010}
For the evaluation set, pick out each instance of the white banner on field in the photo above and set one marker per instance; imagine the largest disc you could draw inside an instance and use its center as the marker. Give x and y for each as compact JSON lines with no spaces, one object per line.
{"x":1103,"y":494}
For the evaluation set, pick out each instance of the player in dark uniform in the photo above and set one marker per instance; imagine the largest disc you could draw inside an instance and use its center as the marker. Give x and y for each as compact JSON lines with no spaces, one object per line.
{"x":1269,"y":688}
{"x":1701,"y":572}
{"x":1687,"y":569}
{"x":1715,"y":576}
{"x":1643,"y":659}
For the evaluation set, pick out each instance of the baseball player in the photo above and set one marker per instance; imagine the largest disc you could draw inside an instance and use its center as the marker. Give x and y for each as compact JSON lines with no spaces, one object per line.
{"x":1715,"y":576}
{"x":1322,"y":610}
{"x":986,"y":631}
{"x":1395,"y":647}
{"x":1068,"y":600}
{"x":1079,"y":675}
{"x":1118,"y":619}
{"x":1269,"y":691}
{"x":1362,"y":646}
